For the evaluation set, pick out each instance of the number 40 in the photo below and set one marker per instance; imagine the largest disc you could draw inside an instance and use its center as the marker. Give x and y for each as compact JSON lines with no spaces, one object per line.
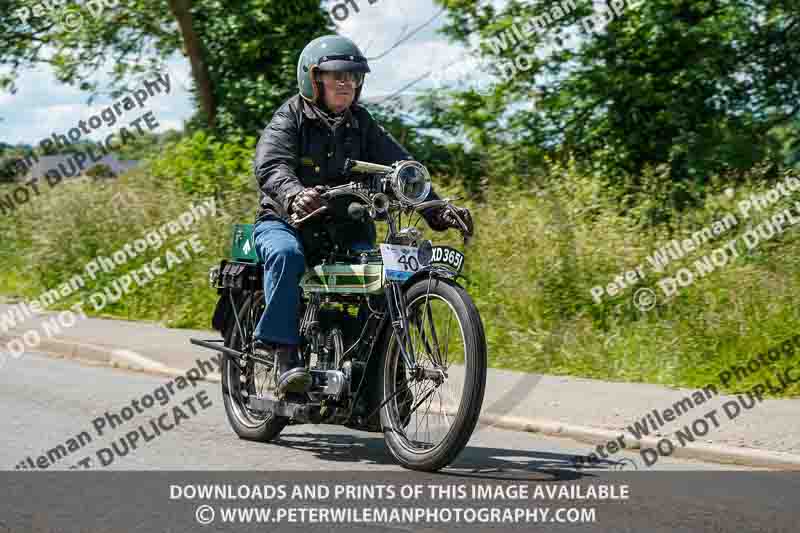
{"x":409,"y":263}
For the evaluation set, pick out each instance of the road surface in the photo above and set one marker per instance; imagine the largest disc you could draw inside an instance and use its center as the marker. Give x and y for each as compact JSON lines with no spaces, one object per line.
{"x":57,"y":414}
{"x":45,"y":402}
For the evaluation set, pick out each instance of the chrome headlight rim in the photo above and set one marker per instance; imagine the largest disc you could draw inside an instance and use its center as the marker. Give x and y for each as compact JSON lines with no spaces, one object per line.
{"x":397,"y":187}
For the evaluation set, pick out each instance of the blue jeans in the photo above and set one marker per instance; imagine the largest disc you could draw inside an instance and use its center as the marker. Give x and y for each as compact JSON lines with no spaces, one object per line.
{"x":279,"y":248}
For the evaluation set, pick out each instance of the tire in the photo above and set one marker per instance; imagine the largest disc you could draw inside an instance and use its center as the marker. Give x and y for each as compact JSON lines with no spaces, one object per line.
{"x":473,"y":340}
{"x":245,"y":423}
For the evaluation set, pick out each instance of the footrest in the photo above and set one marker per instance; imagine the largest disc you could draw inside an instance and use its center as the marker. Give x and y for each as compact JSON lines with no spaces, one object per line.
{"x":217,"y":345}
{"x":300,"y":412}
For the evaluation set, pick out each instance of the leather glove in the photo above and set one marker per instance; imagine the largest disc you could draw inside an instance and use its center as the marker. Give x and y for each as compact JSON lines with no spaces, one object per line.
{"x":444,"y":219}
{"x":307,"y":201}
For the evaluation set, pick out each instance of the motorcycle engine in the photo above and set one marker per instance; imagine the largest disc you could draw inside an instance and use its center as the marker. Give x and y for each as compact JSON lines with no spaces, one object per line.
{"x":331,"y":332}
{"x":338,"y":330}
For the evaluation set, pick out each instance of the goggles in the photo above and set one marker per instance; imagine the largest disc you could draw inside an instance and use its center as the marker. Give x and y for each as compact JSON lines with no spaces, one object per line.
{"x":354,"y":79}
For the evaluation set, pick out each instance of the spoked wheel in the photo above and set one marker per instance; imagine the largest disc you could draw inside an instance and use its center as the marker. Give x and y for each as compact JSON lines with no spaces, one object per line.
{"x":255,"y":380}
{"x":434,"y":408}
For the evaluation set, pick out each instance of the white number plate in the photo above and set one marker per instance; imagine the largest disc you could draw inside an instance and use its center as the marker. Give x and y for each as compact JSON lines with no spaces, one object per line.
{"x":399,"y":262}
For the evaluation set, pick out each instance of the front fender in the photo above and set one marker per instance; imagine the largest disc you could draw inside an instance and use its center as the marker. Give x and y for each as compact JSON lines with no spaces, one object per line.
{"x":437,"y":271}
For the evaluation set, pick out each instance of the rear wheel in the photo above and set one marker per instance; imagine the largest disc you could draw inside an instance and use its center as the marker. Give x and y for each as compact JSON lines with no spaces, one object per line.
{"x":255,"y":380}
{"x":434,"y":409}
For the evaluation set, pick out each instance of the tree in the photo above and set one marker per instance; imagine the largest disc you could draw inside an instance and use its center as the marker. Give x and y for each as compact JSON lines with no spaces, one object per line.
{"x":100,"y":171}
{"x":242,"y":54}
{"x":193,"y":47}
{"x":698,"y":85}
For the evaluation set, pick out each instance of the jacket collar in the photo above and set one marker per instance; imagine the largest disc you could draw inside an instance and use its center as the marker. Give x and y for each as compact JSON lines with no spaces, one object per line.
{"x":350,"y":117}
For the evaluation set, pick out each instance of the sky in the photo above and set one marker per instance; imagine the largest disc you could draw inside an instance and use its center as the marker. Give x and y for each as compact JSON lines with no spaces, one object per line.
{"x":42,"y":106}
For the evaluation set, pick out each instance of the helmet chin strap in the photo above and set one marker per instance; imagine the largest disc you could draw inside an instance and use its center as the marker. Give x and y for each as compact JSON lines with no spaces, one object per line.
{"x":315,"y":85}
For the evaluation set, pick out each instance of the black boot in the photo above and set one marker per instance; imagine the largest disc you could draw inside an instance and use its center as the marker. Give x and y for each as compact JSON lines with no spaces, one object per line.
{"x":293,"y":378}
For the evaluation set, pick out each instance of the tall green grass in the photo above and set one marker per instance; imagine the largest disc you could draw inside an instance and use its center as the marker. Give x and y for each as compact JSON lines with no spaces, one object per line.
{"x":530,"y":269}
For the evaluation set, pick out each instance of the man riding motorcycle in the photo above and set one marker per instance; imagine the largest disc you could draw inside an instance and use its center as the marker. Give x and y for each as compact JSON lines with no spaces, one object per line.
{"x":304,"y":146}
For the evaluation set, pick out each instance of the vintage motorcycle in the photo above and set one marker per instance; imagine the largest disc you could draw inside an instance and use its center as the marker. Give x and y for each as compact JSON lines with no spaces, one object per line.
{"x":393,"y":342}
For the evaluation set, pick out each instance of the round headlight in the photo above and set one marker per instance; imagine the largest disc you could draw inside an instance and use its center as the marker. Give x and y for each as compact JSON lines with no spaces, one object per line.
{"x":411,"y":182}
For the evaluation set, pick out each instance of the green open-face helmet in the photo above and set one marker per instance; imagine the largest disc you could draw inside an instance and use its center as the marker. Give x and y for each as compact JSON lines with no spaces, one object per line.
{"x":328,"y":53}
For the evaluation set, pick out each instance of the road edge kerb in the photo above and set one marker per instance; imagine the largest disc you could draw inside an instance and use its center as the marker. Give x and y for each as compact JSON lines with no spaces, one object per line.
{"x":703,"y":452}
{"x":104,"y":355}
{"x":108,"y":356}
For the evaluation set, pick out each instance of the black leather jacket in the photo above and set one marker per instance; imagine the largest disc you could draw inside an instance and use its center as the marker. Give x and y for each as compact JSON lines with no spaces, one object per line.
{"x":298,"y":149}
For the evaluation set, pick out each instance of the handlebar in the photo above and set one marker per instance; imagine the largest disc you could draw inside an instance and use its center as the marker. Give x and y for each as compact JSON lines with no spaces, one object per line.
{"x":328,"y":194}
{"x":363,"y":167}
{"x":332,"y":192}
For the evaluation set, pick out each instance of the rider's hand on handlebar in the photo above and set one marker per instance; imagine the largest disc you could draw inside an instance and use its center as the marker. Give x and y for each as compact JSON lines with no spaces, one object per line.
{"x":466,"y":217}
{"x":447,"y":219}
{"x":307,"y":201}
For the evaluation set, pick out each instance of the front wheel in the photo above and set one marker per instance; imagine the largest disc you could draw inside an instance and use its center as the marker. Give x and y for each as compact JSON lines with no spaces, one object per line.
{"x":433,"y":409}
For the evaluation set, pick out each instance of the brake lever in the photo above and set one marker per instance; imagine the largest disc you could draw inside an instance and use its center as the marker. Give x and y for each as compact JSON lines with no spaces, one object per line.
{"x":464,"y":229}
{"x":297,"y":222}
{"x":324,"y":194}
{"x":465,"y":234}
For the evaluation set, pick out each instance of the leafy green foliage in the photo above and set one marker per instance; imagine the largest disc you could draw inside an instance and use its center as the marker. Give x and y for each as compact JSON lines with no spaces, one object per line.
{"x":100,"y":171}
{"x":447,"y":162}
{"x":204,"y":164}
{"x":11,"y":162}
{"x":537,"y":307}
{"x":696,"y":85}
{"x":252,"y":48}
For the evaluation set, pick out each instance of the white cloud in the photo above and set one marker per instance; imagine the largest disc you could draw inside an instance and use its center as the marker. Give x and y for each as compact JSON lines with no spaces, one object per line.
{"x":165,"y":125}
{"x":42,"y":106}
{"x":378,"y":27}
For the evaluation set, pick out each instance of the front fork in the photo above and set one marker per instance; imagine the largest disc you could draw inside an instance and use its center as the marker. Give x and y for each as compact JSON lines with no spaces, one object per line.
{"x":396,"y":303}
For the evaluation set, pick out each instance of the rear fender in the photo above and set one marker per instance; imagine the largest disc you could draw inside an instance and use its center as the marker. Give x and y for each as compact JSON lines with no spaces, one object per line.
{"x":222,"y":312}
{"x":238,"y":279}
